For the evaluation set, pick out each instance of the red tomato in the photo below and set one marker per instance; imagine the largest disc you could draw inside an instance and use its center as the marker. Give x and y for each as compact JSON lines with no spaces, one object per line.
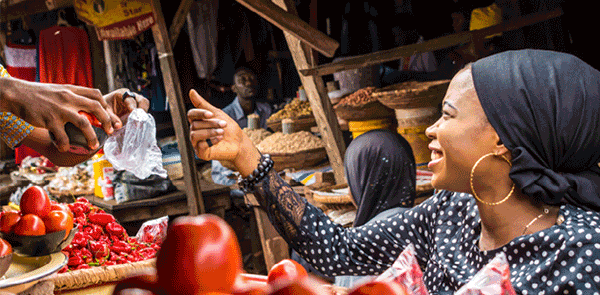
{"x":286,"y":269}
{"x":35,"y":201}
{"x":5,"y":248}
{"x":379,"y":288}
{"x":30,"y":225}
{"x":200,"y":253}
{"x":63,"y":207}
{"x":91,"y":118}
{"x":8,"y":221}
{"x":58,"y":220}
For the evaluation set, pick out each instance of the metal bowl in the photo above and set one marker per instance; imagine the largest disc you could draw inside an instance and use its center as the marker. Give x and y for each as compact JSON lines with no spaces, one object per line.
{"x":39,"y":245}
{"x":78,"y":142}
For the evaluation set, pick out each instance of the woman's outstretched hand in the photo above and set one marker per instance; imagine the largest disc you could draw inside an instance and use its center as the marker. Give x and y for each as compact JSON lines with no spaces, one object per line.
{"x":227,"y":140}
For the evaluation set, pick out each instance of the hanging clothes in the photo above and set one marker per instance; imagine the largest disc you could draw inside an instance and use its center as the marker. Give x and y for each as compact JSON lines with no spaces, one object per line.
{"x":64,"y":56}
{"x":202,"y":30}
{"x":21,"y":64}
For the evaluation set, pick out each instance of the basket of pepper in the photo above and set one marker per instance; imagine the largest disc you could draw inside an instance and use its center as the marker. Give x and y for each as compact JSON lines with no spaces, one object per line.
{"x":102,"y":251}
{"x":361,"y":105}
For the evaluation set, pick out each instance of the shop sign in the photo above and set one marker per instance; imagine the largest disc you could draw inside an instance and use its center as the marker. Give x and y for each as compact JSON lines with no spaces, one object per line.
{"x":116,"y":19}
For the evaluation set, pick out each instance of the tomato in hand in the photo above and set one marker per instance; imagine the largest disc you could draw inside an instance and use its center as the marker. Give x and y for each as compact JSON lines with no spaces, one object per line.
{"x":286,"y":269}
{"x":30,"y":225}
{"x":379,"y":288}
{"x":5,"y":248}
{"x":8,"y":221}
{"x":58,"y":220}
{"x":91,"y":118}
{"x":35,"y":201}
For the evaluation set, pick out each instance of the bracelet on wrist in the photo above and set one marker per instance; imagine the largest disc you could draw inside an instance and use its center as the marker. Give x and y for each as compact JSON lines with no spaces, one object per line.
{"x":264,"y":166}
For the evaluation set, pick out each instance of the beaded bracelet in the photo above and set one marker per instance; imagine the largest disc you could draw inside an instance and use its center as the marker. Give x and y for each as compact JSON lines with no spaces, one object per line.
{"x":264,"y":166}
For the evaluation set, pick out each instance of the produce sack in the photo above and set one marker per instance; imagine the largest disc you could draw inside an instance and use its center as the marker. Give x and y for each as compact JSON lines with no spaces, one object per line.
{"x":128,"y":187}
{"x":153,"y":231}
{"x":407,"y":272}
{"x":133,"y":148}
{"x":492,"y":279}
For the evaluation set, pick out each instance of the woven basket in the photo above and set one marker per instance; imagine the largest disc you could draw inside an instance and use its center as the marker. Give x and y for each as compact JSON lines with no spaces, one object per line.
{"x":370,"y":111}
{"x":412,"y":94}
{"x":304,"y":123}
{"x":100,"y":275}
{"x":299,"y":160}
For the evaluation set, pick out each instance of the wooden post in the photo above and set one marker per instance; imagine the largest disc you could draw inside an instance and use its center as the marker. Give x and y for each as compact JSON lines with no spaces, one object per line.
{"x":178,"y":111}
{"x":179,"y":20}
{"x":320,"y":104}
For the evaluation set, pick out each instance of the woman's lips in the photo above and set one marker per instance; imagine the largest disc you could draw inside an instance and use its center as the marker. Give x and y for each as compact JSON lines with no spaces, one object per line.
{"x":436,"y":157}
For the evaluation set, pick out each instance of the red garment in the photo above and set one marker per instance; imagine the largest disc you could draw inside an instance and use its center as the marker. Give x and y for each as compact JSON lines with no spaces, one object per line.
{"x":20,"y":63}
{"x":64,"y":56}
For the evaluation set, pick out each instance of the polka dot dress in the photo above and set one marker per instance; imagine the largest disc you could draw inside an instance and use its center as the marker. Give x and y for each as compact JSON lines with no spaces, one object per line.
{"x":563,"y":259}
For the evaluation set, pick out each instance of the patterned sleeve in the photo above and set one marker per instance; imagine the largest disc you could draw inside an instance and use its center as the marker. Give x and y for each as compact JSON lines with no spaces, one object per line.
{"x":12,"y":128}
{"x":335,"y":250}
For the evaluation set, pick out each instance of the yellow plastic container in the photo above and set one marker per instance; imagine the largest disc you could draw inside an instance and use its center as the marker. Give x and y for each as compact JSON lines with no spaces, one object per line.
{"x":359,"y":127}
{"x":103,"y":176}
{"x":418,"y":142}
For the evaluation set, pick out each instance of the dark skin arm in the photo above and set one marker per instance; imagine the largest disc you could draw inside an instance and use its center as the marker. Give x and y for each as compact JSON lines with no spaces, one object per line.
{"x":39,"y":138}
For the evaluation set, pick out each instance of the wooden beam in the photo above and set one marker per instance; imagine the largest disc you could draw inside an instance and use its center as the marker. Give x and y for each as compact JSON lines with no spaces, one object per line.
{"x":292,"y":24}
{"x":178,"y":111}
{"x":379,"y":57}
{"x":29,"y":7}
{"x":320,"y":105}
{"x":179,"y":20}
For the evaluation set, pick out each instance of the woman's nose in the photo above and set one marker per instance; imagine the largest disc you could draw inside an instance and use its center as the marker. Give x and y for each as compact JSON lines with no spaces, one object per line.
{"x":430,"y":131}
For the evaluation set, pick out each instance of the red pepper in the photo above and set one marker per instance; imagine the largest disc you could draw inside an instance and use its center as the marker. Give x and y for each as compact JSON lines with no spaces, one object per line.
{"x":79,"y":240}
{"x":83,"y":200}
{"x":82,"y":266}
{"x":114,"y":228}
{"x":99,"y":249}
{"x":120,"y":246}
{"x":95,"y":231}
{"x":108,"y":263}
{"x":75,"y":260}
{"x":101,"y":219}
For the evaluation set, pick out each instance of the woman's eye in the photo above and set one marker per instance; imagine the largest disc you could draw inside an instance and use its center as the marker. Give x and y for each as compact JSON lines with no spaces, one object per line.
{"x":446,"y":114}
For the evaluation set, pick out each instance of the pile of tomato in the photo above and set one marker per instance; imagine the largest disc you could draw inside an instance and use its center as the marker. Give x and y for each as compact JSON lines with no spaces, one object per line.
{"x":101,"y":240}
{"x":38,"y":215}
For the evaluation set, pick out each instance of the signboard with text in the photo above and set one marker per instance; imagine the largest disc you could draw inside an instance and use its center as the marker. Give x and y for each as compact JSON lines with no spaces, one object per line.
{"x":116,"y":19}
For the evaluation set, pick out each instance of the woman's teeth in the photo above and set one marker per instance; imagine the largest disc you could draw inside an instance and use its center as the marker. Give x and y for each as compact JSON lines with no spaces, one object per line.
{"x":435,"y":155}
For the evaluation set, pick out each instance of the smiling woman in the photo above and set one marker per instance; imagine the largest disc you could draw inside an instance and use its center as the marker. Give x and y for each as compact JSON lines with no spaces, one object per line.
{"x":514,"y":158}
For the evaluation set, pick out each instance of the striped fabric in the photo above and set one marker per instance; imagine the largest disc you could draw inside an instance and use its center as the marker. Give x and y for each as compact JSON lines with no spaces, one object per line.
{"x":12,"y":128}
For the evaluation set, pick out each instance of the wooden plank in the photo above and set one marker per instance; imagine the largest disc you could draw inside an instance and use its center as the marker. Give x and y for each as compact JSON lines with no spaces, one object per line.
{"x":30,"y":7}
{"x":292,"y":24}
{"x":178,"y":111}
{"x":274,"y":246}
{"x":321,"y":106}
{"x":179,"y":20}
{"x":99,"y":66}
{"x":379,"y":57}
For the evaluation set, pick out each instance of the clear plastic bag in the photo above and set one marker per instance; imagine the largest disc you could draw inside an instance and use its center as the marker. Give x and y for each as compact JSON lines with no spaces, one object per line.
{"x":153,"y":231}
{"x":133,"y":148}
{"x":492,"y":279}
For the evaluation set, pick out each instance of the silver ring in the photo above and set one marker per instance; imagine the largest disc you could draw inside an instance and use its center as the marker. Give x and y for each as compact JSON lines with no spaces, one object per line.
{"x":209,"y":142}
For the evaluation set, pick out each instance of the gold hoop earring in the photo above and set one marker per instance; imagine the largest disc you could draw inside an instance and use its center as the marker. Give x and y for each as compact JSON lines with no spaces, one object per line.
{"x":473,"y":188}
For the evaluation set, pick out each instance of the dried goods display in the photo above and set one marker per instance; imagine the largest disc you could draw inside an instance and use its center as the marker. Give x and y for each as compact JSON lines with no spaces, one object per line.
{"x":359,"y":97}
{"x":257,"y":135}
{"x":290,"y":143}
{"x":76,"y":180}
{"x":295,"y":109}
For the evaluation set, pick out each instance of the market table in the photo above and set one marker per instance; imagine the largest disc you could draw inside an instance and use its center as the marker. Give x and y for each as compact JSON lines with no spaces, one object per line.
{"x":216,"y":198}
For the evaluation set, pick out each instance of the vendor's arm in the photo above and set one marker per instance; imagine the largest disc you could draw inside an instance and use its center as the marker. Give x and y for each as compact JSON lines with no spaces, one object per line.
{"x":39,"y":138}
{"x":332,"y":249}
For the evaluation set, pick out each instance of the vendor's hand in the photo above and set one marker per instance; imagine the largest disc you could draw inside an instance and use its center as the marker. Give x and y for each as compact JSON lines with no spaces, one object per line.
{"x":228,"y":140}
{"x":51,"y":106}
{"x":121,"y":108}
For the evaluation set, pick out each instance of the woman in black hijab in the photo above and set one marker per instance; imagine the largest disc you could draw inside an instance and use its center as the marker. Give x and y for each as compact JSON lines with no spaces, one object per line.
{"x":515,"y":159}
{"x":381,"y":175}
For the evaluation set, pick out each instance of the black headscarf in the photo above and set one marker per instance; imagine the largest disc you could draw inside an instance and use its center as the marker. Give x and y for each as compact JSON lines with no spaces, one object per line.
{"x":545,"y":106}
{"x":381,"y":173}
